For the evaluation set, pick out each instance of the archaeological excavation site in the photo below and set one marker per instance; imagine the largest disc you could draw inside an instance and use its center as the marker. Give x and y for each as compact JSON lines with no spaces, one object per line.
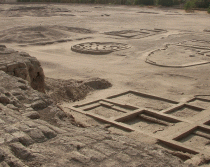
{"x":104,"y":85}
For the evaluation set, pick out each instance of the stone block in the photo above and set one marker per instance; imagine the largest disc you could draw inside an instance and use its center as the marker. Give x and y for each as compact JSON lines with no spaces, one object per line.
{"x":38,"y":105}
{"x":47,"y":132}
{"x":32,"y":115}
{"x":20,"y":151}
{"x":93,"y":154}
{"x":37,"y":135}
{"x":4,"y":99}
{"x":76,"y":156}
{"x":23,"y":138}
{"x":115,"y":144}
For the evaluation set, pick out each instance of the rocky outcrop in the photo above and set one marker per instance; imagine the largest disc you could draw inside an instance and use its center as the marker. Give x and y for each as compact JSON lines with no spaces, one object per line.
{"x":21,"y":64}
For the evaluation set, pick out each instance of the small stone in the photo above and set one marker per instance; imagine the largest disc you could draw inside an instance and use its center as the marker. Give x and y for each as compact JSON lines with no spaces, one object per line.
{"x":16,"y":92}
{"x":115,"y":144}
{"x":24,"y":54}
{"x":47,"y":132}
{"x":77,"y":144}
{"x":4,"y":164}
{"x":56,"y":129}
{"x":131,"y":151}
{"x":15,"y":162}
{"x":38,"y":105}
{"x":1,"y":122}
{"x":1,"y":140}
{"x":23,"y":86}
{"x":93,"y":155}
{"x":2,"y":156}
{"x":23,"y":127}
{"x":84,"y":139}
{"x":9,"y":138}
{"x":27,"y":105}
{"x":11,"y":106}
{"x":31,"y":124}
{"x":123,"y":157}
{"x":32,"y":115}
{"x":3,"y":68}
{"x":110,"y":163}
{"x":37,"y":135}
{"x":95,"y":136}
{"x":23,"y":138}
{"x":21,"y":151}
{"x":4,"y":99}
{"x":79,"y":157}
{"x":11,"y":129}
{"x":104,"y":149}
{"x":10,"y":120}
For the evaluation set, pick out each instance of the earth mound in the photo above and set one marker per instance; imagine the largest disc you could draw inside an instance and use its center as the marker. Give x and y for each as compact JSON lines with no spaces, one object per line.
{"x":72,"y":90}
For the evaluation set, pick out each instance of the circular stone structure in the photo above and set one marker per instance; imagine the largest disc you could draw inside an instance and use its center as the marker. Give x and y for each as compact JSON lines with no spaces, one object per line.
{"x":98,"y":48}
{"x":184,"y":54}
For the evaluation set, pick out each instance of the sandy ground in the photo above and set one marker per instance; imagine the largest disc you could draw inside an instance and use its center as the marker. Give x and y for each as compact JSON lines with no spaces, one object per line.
{"x":125,"y":69}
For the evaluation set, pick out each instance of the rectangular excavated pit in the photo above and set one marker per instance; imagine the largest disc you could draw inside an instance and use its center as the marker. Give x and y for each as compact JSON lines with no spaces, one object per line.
{"x":143,"y":100}
{"x":204,"y":103}
{"x":185,"y":111}
{"x":106,"y":109}
{"x":198,"y":137}
{"x":148,"y":121}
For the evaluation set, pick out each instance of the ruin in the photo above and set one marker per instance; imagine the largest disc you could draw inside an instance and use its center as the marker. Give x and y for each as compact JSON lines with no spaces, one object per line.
{"x":103,"y":85}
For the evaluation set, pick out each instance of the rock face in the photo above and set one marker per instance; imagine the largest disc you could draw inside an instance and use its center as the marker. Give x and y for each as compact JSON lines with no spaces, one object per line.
{"x":21,"y":64}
